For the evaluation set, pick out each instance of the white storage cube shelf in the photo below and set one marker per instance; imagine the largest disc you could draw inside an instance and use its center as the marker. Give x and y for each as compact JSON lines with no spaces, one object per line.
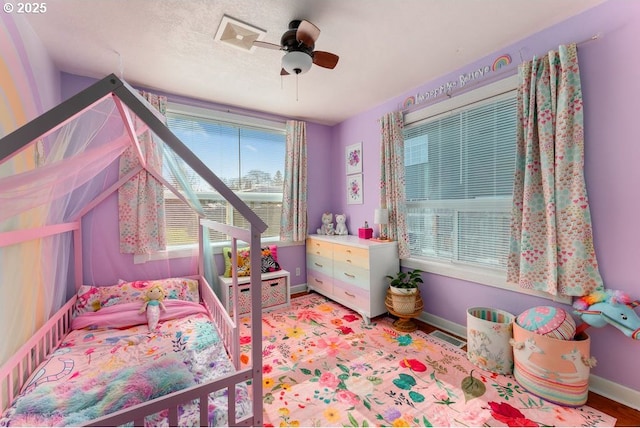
{"x":275,"y":292}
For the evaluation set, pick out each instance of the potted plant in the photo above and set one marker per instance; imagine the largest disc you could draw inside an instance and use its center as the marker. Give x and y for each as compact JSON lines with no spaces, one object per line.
{"x":403,"y":288}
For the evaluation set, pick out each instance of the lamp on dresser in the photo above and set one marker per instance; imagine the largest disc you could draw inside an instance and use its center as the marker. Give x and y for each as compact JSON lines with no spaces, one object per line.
{"x":381,"y":218}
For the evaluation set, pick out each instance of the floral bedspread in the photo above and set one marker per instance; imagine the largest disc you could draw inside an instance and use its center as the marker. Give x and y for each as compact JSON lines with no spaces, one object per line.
{"x":99,"y":371}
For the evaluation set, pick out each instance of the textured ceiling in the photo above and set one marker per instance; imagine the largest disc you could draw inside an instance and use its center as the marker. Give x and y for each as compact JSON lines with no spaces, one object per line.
{"x":386,"y":47}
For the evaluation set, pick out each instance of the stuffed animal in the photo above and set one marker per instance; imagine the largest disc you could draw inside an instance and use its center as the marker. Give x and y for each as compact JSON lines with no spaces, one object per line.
{"x":609,"y":307}
{"x":327,"y":225}
{"x":341,"y":224}
{"x":153,"y":298}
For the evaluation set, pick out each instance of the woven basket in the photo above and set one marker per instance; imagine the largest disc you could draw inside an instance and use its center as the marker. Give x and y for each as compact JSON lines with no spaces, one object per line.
{"x":403,"y":303}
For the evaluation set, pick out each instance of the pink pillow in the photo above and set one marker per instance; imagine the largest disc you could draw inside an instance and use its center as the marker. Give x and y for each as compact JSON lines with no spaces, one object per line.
{"x":127,"y":292}
{"x":88,"y":300}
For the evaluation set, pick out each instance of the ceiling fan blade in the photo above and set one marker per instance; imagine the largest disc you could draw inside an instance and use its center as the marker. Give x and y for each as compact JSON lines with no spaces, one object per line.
{"x":325,"y":59}
{"x":307,"y":33}
{"x":261,"y":44}
{"x":283,"y":72}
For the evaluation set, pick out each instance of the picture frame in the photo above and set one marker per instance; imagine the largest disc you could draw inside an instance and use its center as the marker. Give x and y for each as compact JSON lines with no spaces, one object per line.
{"x":355,"y":189}
{"x":353,"y":158}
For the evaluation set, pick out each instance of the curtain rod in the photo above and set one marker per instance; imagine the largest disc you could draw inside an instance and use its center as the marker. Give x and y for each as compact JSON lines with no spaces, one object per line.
{"x":492,"y":79}
{"x":580,"y":43}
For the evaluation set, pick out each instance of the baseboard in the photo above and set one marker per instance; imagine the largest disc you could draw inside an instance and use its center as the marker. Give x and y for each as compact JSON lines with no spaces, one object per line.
{"x":298,"y":288}
{"x":443,"y":324}
{"x":614,"y":391}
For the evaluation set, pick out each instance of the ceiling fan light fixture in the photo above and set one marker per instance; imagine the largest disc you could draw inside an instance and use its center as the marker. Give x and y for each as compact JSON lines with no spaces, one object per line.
{"x":295,"y":62}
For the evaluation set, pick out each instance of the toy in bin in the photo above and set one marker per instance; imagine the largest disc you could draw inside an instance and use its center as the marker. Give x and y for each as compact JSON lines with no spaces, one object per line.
{"x":551,"y":359}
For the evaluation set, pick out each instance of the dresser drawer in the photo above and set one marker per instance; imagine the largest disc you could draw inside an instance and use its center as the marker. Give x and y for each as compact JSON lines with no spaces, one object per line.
{"x":320,"y":264}
{"x":354,"y":275}
{"x":320,"y":248}
{"x":320,"y":282}
{"x":351,"y":255}
{"x":353,"y":297}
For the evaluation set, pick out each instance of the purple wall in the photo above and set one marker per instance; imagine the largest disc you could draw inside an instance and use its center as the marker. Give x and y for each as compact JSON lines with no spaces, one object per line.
{"x":609,"y":70}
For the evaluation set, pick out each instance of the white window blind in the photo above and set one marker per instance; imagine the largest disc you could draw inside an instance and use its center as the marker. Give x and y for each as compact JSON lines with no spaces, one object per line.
{"x":249,"y":158}
{"x":459,"y":168}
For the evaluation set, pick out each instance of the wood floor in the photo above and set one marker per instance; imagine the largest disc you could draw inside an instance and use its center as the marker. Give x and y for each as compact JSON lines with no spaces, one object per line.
{"x":626,"y":416}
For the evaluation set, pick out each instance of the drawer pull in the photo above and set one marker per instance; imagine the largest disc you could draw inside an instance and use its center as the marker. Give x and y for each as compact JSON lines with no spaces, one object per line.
{"x":349,"y":275}
{"x":349,"y":294}
{"x":318,"y":252}
{"x":349,"y":261}
{"x":349,"y":251}
{"x":318,"y":264}
{"x":274,"y":284}
{"x":318,"y":281}
{"x":245,"y":290}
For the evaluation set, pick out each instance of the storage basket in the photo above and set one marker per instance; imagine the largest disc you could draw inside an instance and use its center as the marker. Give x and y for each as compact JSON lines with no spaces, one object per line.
{"x":553,"y":369}
{"x":488,"y":334}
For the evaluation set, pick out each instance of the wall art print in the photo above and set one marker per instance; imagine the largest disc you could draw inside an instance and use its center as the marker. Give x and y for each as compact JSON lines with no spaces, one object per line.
{"x":354,"y":189}
{"x":353,"y":158}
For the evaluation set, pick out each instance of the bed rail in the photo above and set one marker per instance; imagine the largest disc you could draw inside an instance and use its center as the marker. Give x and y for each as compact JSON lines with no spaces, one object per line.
{"x":228,"y":329}
{"x":15,"y":372}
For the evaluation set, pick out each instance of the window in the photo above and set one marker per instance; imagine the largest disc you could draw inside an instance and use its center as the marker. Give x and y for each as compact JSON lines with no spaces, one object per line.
{"x":459,"y":166}
{"x":246,"y":154}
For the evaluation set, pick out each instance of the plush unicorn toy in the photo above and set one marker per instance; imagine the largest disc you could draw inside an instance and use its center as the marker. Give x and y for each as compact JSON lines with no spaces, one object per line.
{"x":609,"y":307}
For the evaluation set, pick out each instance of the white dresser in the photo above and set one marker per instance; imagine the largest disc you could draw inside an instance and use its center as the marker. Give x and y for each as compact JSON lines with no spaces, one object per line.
{"x":352,"y":271}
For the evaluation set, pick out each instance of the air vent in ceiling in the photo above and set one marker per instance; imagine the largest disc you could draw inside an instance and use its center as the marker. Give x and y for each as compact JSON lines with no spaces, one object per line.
{"x":238,"y":34}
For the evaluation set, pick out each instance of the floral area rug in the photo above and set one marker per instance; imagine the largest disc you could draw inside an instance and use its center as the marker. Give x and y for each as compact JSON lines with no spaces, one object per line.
{"x":323,"y":366}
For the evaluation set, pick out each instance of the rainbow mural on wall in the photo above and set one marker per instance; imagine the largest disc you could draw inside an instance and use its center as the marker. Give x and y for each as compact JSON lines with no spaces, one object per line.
{"x":17,"y":98}
{"x":409,"y":102}
{"x":19,"y":102}
{"x":501,"y":61}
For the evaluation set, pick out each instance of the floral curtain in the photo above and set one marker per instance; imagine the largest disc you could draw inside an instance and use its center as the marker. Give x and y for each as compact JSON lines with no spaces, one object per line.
{"x":293,"y":222}
{"x":141,"y":199}
{"x":392,"y":184}
{"x":551,"y":237}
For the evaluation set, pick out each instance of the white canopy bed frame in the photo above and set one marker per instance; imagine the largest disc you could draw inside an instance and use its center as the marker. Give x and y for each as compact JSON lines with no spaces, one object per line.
{"x":16,"y":371}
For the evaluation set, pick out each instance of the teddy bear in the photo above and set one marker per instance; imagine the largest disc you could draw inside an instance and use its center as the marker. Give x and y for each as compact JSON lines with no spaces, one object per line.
{"x":341,"y":224}
{"x":153,"y":298}
{"x":327,"y":225}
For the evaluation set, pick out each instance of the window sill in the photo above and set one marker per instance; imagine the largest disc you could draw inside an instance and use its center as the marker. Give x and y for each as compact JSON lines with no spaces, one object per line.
{"x":484,"y":276}
{"x":183,"y":251}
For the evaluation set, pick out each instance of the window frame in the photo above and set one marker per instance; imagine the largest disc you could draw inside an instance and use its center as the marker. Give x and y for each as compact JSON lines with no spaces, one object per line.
{"x":180,"y":109}
{"x":493,"y":277}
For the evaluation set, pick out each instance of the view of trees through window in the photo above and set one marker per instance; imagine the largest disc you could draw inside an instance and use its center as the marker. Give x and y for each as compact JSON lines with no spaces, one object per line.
{"x":249,"y":160}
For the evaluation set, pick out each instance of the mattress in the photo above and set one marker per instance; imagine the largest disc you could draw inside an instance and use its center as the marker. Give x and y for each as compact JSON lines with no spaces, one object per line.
{"x":100,"y":370}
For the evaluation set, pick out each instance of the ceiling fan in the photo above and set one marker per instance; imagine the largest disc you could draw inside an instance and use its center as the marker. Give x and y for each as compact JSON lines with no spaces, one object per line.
{"x":298,"y":42}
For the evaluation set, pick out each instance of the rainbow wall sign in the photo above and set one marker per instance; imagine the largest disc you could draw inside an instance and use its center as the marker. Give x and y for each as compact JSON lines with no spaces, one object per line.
{"x":463,"y":79}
